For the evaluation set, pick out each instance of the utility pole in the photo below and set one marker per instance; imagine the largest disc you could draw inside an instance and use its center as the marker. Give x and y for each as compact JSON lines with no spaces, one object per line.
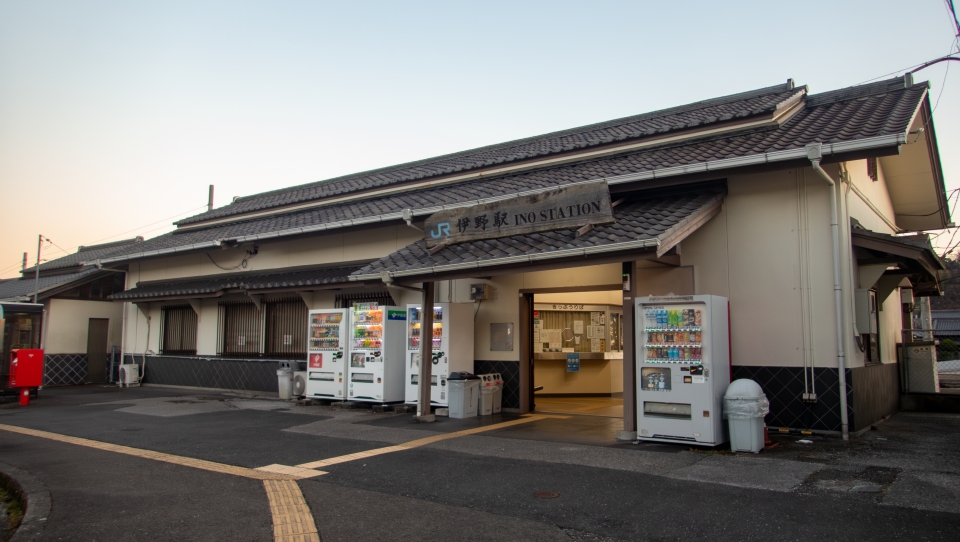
{"x":24,"y":265}
{"x":210,"y":199}
{"x":36,"y":295}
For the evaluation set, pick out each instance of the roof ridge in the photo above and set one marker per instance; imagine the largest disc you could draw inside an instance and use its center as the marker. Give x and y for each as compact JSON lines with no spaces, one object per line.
{"x":693,"y":106}
{"x":111,"y":244}
{"x":862,"y":91}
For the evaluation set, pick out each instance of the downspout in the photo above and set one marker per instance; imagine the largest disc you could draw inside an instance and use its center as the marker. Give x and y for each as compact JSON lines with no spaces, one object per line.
{"x":814,"y":154}
{"x":847,"y":233}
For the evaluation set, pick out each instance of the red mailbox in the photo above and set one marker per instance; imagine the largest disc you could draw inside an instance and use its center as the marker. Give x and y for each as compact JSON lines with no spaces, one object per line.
{"x":26,"y":371}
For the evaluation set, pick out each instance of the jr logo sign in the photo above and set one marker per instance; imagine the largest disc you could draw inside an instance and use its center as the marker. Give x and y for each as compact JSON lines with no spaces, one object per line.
{"x":443,"y":230}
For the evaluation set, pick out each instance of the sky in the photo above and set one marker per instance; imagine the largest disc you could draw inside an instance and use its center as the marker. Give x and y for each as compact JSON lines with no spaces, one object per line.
{"x":116,"y":116}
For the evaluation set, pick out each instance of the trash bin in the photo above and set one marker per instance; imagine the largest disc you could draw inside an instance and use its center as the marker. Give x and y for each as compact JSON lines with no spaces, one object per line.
{"x":744,"y":406}
{"x":497,"y":392}
{"x":491,"y":394}
{"x":285,"y":382}
{"x":464,"y":395}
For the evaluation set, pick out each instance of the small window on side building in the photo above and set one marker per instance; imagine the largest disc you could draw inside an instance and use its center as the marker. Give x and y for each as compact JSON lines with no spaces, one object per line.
{"x":872,"y":168}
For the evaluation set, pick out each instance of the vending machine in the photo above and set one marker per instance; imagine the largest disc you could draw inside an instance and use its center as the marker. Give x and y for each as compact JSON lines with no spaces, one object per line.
{"x":375,"y":372}
{"x":683,"y":368}
{"x":450,"y":320}
{"x":327,"y":353}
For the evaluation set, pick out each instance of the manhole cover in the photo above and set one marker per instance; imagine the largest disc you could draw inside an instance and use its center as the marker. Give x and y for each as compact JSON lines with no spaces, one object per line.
{"x":546,"y":494}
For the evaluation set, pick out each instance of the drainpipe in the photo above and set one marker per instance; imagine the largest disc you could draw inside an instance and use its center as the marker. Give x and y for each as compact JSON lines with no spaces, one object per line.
{"x":814,"y":154}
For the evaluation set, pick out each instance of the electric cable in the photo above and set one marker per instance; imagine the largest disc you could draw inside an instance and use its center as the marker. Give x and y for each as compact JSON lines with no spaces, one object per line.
{"x":140,"y":229}
{"x":242,"y":264}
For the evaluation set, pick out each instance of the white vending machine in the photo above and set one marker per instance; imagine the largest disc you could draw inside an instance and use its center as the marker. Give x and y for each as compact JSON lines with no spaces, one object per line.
{"x":327,"y":353}
{"x":683,"y":368}
{"x":375,"y":372}
{"x":452,"y":338}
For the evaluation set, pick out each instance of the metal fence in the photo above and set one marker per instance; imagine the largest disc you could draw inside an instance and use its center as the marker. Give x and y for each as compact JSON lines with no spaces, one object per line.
{"x":929,"y":363}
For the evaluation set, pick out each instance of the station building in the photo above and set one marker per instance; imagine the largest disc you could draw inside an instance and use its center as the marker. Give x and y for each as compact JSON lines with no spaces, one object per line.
{"x":780,"y":200}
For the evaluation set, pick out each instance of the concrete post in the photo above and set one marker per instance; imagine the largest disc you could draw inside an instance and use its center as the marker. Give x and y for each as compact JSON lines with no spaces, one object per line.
{"x":426,"y":355}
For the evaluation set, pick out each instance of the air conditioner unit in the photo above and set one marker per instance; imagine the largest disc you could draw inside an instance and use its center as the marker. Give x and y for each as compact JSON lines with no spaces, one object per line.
{"x":299,"y":383}
{"x":129,"y":374}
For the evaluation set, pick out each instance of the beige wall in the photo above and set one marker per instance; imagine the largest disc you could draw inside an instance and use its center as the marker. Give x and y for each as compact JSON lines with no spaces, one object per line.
{"x":68,"y":322}
{"x":365,"y":244}
{"x":875,"y":191}
{"x":768,"y":250}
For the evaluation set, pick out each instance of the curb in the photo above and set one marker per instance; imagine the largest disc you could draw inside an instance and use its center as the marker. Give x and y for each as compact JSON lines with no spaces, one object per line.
{"x":33,"y":496}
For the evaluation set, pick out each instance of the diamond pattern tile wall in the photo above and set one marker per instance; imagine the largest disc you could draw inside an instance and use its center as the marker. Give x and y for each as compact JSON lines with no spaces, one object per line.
{"x":510,"y":371}
{"x":64,"y":369}
{"x":224,"y":373}
{"x":783,"y":387}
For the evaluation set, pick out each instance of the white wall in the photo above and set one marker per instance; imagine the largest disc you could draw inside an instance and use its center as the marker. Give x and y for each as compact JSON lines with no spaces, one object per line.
{"x":68,"y":321}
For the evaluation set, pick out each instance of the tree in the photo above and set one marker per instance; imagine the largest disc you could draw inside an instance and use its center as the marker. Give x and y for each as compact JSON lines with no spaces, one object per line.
{"x":950,"y":300}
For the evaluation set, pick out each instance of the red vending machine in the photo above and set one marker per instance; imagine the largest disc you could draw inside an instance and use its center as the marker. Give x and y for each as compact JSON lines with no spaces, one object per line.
{"x":26,"y":371}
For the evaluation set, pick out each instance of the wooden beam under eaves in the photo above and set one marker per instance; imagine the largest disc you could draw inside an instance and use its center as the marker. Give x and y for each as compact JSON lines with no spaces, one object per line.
{"x":195,"y":305}
{"x":257,"y":300}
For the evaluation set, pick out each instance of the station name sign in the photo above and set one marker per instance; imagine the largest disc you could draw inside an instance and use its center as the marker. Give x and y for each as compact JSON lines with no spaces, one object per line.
{"x":567,"y":207}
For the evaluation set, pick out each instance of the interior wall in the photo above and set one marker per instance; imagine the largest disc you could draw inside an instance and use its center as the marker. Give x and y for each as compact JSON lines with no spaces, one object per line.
{"x":595,"y":376}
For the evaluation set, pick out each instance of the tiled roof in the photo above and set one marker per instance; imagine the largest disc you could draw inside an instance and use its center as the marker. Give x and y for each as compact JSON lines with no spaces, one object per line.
{"x":26,"y":286}
{"x":882,"y":109}
{"x":251,"y":281}
{"x":641,"y":222}
{"x":84,"y":254}
{"x":737,"y":106}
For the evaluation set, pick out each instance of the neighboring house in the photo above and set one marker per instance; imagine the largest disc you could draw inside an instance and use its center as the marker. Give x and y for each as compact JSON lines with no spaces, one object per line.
{"x":80,"y":326}
{"x":946,"y":324}
{"x":719,"y":197}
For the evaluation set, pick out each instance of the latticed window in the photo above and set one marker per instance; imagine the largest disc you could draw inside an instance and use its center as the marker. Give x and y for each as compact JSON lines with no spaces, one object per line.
{"x":178,"y":332}
{"x":285,"y":321}
{"x":239,"y":323}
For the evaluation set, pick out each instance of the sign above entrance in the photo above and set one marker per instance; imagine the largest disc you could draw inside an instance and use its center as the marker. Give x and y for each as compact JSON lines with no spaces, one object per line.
{"x":569,"y":207}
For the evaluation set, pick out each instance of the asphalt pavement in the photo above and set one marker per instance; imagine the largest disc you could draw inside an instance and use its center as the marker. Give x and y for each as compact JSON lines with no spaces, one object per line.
{"x":898,"y":482}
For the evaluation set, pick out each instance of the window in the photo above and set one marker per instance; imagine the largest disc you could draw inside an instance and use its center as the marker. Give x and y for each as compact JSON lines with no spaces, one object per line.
{"x":239,"y":323}
{"x":285,"y":321}
{"x":178,"y":330}
{"x":872,"y":168}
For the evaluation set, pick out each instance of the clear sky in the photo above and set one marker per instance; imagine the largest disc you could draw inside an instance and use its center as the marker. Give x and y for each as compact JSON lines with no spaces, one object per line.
{"x":116,"y":116}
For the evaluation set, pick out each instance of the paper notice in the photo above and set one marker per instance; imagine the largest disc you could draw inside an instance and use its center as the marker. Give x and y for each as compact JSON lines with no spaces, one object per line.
{"x":578,"y":327}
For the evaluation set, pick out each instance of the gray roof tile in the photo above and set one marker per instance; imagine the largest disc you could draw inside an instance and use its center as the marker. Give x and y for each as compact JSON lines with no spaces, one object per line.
{"x":26,"y":286}
{"x":84,"y":254}
{"x":249,"y":281}
{"x":743,"y":105}
{"x":878,"y":109}
{"x":640,"y":219}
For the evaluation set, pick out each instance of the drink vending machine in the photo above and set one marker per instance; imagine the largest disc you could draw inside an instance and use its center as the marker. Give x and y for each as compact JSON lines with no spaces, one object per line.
{"x":449,"y":320}
{"x":683,"y":368}
{"x":327,"y":353}
{"x":375,"y":372}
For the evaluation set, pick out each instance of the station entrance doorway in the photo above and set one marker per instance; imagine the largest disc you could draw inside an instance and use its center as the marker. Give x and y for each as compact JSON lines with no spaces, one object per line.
{"x":577,"y":352}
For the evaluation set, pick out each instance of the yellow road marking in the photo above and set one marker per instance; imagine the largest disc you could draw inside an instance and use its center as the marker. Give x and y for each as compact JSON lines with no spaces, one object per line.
{"x":292,"y":520}
{"x":158,"y":456}
{"x":425,"y":441}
